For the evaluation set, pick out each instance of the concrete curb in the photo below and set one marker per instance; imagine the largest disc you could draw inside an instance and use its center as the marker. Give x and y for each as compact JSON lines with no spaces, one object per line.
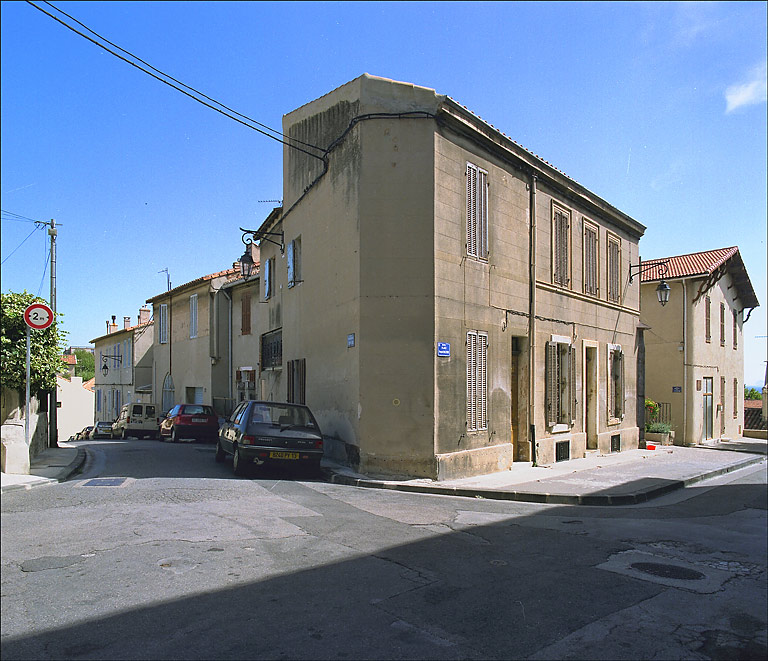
{"x":64,"y":475}
{"x":598,"y":500}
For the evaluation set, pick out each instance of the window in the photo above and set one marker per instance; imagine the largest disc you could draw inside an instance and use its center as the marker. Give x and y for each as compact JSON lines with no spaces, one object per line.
{"x":477,"y":381}
{"x":294,"y":262}
{"x":561,"y":246}
{"x":614,"y":269}
{"x":736,"y":398}
{"x":245,"y":317}
{"x":722,"y":324}
{"x":735,"y":329}
{"x":708,"y":319}
{"x":272,"y":349}
{"x":98,"y":400}
{"x":591,"y":271}
{"x":477,"y":212}
{"x":162,"y":330}
{"x":615,"y":382}
{"x":297,"y":381}
{"x":169,"y":393}
{"x":269,"y":276}
{"x":193,"y":316}
{"x":560,"y":382}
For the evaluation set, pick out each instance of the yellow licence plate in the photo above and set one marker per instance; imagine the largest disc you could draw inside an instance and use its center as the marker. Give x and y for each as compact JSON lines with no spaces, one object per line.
{"x":283,"y":455}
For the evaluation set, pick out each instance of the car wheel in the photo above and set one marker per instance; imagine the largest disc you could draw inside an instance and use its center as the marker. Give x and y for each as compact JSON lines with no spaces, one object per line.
{"x":220,"y":454}
{"x":174,"y":436}
{"x":123,"y":435}
{"x":238,"y":465}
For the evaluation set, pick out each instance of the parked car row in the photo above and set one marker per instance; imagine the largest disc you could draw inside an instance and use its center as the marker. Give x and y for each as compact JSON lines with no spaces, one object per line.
{"x":257,"y":432}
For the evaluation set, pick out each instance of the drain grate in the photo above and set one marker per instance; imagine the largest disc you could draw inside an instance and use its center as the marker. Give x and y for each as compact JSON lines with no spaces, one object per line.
{"x":105,"y":482}
{"x":668,"y":571}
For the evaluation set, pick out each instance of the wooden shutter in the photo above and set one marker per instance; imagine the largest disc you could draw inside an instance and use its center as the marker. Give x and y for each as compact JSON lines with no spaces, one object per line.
{"x":471,"y":381}
{"x":482,"y":214}
{"x":482,"y":381}
{"x":614,"y":275}
{"x":620,"y":386}
{"x":245,"y":317}
{"x":591,"y":281}
{"x":471,"y":210}
{"x":708,"y":319}
{"x":552,"y":384}
{"x":561,"y":227}
{"x":572,"y":383}
{"x":722,"y":324}
{"x":291,"y":264}
{"x":735,"y":329}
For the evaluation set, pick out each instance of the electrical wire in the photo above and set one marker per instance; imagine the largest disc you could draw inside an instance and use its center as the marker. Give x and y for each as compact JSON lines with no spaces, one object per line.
{"x":45,"y":268}
{"x":37,"y":227}
{"x":227,"y":112}
{"x":21,"y":219}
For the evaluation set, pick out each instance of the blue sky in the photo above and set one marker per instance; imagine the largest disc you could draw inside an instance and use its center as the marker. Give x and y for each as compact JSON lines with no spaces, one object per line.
{"x":659,"y":108}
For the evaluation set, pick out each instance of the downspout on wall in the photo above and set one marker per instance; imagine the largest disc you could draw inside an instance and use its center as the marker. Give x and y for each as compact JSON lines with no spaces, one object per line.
{"x":532,"y":321}
{"x":685,"y":361}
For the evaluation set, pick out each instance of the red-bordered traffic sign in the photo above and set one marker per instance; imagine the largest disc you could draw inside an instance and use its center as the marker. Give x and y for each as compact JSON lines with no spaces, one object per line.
{"x":38,"y":316}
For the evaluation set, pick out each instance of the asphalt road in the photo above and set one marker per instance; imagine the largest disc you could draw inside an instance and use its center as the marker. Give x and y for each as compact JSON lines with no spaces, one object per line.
{"x":157,"y":552}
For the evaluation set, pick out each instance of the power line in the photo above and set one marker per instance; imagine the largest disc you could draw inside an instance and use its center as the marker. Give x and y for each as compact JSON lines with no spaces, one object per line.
{"x":227,"y":112}
{"x":45,"y":268}
{"x":22,"y":219}
{"x":37,"y":227}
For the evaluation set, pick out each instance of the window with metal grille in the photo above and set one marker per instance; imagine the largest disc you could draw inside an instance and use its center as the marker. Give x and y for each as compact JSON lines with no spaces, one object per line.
{"x":294,"y":262}
{"x":591,"y":271}
{"x":735,"y":329}
{"x":722,"y":324}
{"x":297,"y":381}
{"x":193,"y":316}
{"x":477,"y":381}
{"x":616,"y":393}
{"x":735,"y":398}
{"x":616,"y":443}
{"x":560,"y":382}
{"x":272,"y":349}
{"x":562,"y":451}
{"x":707,"y":319}
{"x":477,"y":212}
{"x":245,"y":316}
{"x":614,"y":269}
{"x":162,"y":330}
{"x":561,"y":246}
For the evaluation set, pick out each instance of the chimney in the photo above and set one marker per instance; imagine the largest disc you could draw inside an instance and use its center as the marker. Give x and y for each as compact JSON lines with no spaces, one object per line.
{"x":143,"y":315}
{"x":126,"y":323}
{"x":111,"y":328}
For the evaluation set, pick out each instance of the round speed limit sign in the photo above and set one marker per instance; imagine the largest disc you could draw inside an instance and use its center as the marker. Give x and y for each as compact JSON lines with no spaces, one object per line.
{"x":38,"y":316}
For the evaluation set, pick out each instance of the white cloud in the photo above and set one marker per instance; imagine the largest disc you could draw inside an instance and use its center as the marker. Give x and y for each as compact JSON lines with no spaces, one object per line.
{"x":751,"y":92}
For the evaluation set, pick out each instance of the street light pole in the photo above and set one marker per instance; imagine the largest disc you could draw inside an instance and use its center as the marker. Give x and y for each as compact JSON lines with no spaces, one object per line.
{"x":53,"y":435}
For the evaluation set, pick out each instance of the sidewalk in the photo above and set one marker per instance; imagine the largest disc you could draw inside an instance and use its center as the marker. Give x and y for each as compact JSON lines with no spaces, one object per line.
{"x":624,"y":478}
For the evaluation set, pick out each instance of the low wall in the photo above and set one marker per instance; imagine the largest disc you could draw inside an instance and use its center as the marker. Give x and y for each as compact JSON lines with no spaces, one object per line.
{"x":15,"y":456}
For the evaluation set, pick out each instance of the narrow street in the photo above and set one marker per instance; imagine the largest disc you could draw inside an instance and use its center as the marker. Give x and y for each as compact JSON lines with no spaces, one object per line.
{"x":155,"y":551}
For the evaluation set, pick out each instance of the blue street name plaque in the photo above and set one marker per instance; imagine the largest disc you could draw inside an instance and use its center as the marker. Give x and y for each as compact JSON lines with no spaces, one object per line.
{"x":444,"y":349}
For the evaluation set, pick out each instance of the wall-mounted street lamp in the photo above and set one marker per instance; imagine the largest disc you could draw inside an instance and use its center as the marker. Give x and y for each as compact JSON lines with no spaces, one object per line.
{"x":105,"y":368}
{"x":662,"y":291}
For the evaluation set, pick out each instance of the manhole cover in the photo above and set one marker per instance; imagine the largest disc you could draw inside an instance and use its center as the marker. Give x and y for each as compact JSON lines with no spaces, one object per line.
{"x":668,"y":571}
{"x":105,"y":482}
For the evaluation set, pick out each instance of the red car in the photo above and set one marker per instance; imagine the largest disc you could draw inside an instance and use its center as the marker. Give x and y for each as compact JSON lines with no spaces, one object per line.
{"x":190,"y":421}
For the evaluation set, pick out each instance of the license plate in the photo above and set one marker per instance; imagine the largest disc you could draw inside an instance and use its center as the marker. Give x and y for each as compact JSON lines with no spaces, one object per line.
{"x":283,"y":455}
{"x":203,"y":420}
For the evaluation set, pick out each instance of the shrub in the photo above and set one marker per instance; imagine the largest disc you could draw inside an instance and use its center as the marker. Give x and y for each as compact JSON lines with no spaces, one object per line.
{"x":658,"y":427}
{"x":651,"y":408}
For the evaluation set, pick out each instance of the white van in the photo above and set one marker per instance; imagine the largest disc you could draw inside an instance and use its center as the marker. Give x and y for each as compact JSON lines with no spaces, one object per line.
{"x":139,"y":420}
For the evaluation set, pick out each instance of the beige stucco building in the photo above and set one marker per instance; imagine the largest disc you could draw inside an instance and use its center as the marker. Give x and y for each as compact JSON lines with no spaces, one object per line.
{"x":126,"y":353}
{"x":445,"y":301}
{"x":694,"y":364}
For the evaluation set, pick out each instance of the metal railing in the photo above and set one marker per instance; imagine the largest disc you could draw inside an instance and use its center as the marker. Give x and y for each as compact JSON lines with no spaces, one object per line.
{"x":664,"y":414}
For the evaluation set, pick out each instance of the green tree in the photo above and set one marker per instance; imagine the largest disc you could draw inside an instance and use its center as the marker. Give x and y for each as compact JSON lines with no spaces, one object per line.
{"x":45,"y":352}
{"x":752,"y":393}
{"x":85,"y":364}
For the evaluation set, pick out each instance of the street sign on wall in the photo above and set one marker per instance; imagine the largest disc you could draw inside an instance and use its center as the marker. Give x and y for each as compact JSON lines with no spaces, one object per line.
{"x":38,"y":316}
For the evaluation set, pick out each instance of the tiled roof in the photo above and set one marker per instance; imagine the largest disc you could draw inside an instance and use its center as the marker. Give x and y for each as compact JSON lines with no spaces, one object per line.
{"x":230,"y":274}
{"x":704,"y":264}
{"x":122,"y":330}
{"x":69,"y":358}
{"x":753,"y":403}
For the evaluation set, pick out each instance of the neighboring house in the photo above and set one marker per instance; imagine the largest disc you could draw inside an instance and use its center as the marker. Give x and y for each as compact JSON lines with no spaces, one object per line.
{"x":187,"y":347}
{"x":694,"y":351}
{"x":755,"y":423}
{"x":123,"y":363}
{"x":444,"y":300}
{"x":70,"y":362}
{"x":77,"y":406}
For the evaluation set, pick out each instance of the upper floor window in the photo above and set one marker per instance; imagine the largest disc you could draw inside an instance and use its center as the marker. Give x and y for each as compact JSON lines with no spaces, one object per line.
{"x":162,"y":329}
{"x":269,"y":278}
{"x":272,"y":349}
{"x":560,"y":381}
{"x":245,"y":316}
{"x":735,"y":329}
{"x":736,"y":398}
{"x":477,"y":381}
{"x":722,"y":324}
{"x":614,"y":269}
{"x":561,"y":246}
{"x":294,"y":262}
{"x":193,"y":316}
{"x":591,"y":251}
{"x":707,"y":318}
{"x":477,"y":212}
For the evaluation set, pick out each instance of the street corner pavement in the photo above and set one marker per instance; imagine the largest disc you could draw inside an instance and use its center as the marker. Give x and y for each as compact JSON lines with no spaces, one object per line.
{"x":623,"y":478}
{"x":51,"y":466}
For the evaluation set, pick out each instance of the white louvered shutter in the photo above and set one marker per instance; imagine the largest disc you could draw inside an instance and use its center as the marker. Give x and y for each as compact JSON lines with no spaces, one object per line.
{"x":471,"y":210}
{"x":471,"y":381}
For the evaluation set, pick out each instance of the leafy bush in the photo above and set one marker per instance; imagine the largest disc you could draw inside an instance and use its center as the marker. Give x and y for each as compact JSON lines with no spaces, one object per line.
{"x":651,"y":408}
{"x":752,"y":393}
{"x":658,"y":427}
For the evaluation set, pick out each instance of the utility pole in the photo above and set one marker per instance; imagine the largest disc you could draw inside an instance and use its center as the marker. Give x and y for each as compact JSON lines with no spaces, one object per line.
{"x":53,"y":430}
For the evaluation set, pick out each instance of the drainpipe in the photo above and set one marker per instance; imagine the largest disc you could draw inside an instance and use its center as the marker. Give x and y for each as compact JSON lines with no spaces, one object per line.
{"x":229,"y":344}
{"x":532,"y":319}
{"x":685,"y":362}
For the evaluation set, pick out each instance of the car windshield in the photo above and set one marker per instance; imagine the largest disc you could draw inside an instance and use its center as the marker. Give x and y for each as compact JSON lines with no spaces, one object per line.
{"x":284,"y":415}
{"x":195,"y":409}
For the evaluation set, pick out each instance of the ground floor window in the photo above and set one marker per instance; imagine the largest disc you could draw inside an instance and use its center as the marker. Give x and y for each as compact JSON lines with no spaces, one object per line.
{"x":615,"y":382}
{"x":297,"y":381}
{"x":477,"y":381}
{"x":169,"y":393}
{"x":560,"y":380}
{"x":272,"y":349}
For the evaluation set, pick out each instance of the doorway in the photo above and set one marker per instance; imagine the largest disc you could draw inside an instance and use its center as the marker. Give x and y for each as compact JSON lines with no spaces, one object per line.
{"x":589,"y":383}
{"x":708,"y":409}
{"x":514,"y":419}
